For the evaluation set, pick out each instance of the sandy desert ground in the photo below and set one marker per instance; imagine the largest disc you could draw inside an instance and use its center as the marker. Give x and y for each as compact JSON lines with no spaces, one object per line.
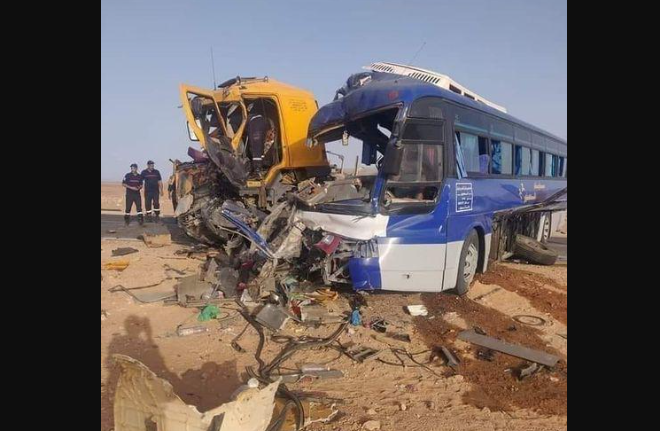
{"x":483,"y":396}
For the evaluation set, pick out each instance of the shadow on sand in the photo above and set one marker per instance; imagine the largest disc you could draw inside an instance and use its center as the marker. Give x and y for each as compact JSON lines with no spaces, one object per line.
{"x":207,"y":387}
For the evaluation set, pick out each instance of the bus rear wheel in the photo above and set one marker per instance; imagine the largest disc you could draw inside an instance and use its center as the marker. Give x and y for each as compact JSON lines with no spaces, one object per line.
{"x":469,"y":264}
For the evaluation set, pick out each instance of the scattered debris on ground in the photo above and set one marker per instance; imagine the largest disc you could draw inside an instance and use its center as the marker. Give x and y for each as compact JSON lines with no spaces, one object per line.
{"x":303,"y":344}
{"x":492,"y":374}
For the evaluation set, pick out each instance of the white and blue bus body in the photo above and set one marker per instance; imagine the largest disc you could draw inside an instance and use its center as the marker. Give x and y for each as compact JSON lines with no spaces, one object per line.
{"x":449,"y":168}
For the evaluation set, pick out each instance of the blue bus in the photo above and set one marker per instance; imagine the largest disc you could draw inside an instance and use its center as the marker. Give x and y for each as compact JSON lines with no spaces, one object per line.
{"x":457,"y":179}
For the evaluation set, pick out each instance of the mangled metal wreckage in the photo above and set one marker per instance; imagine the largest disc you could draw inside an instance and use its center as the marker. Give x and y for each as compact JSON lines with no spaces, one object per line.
{"x":450,"y":193}
{"x":253,"y":134}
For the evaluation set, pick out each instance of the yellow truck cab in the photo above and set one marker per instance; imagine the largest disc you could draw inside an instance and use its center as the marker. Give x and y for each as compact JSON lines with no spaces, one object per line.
{"x":221,"y":173}
{"x":226,"y":111}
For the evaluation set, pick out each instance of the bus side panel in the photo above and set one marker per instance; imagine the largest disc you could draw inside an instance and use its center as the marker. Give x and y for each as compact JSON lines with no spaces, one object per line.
{"x":473,"y":204}
{"x":468,"y":211}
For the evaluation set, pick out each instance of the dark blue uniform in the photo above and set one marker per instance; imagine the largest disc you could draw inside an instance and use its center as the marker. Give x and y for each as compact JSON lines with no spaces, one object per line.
{"x":152,"y":191}
{"x":133,"y":197}
{"x":257,"y":129}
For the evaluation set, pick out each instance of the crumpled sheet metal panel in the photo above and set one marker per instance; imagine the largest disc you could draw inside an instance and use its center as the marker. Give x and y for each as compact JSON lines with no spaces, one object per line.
{"x":143,"y":399}
{"x":346,"y":226}
{"x":362,"y":96}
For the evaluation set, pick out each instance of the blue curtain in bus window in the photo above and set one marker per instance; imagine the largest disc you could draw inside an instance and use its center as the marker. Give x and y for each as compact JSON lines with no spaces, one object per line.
{"x":502,"y":158}
{"x":536,"y":163}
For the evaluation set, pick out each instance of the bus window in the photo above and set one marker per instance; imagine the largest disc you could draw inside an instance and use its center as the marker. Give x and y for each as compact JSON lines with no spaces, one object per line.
{"x":421,"y":163}
{"x":422,"y":170}
{"x":502,"y":158}
{"x":556,"y":166}
{"x":475,"y":153}
{"x":564,"y":167}
{"x":419,"y":131}
{"x":524,"y":162}
{"x":549,"y":165}
{"x":536,"y":163}
{"x":428,"y":107}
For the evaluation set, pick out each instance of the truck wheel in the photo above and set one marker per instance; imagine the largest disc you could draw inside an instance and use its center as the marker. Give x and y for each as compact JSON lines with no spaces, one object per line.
{"x":534,"y":251}
{"x":469,"y":264}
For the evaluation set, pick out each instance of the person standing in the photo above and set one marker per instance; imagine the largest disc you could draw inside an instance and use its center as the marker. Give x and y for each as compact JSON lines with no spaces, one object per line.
{"x":257,"y":135}
{"x":133,"y":183}
{"x":153,"y":190}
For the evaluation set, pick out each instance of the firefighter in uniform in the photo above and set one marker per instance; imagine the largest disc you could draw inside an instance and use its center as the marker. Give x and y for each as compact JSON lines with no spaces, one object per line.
{"x":133,"y":185}
{"x":153,"y":190}
{"x":257,"y":129}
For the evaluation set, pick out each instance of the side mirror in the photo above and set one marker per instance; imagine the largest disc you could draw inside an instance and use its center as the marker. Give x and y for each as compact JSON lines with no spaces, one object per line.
{"x":393,"y":160}
{"x":191,"y":133}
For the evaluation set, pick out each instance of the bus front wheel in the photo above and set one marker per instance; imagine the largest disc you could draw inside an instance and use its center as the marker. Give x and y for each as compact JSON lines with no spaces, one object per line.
{"x":469,"y":264}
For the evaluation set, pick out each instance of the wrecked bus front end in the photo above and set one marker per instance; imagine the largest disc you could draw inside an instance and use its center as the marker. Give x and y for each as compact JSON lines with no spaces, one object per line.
{"x":448,"y":165}
{"x":224,"y":171}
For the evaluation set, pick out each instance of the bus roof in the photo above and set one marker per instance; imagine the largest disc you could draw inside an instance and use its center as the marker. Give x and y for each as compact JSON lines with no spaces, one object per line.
{"x":373,"y":91}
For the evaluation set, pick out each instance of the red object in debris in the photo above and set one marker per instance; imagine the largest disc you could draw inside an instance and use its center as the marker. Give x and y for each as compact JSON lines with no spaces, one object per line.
{"x":329,"y":244}
{"x":296,"y":309}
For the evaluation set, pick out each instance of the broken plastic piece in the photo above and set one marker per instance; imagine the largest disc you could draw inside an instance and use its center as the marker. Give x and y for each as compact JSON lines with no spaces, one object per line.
{"x":529,"y":371}
{"x":117,"y":266}
{"x":273,"y":317}
{"x":417,"y":310}
{"x":195,"y":330}
{"x":329,"y":244}
{"x":356,"y":318}
{"x":145,"y":402}
{"x":124,"y":251}
{"x":450,"y":357}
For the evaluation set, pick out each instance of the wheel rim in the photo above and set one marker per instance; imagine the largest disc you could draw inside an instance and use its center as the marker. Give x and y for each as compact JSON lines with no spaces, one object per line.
{"x":547,"y":227}
{"x":471,"y":263}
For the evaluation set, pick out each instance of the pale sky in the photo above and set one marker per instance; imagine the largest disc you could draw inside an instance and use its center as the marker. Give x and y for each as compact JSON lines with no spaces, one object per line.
{"x":513,"y":52}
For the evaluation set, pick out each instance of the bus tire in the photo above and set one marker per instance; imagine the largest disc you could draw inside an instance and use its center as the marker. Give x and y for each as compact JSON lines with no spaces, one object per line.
{"x":535,"y":252}
{"x":469,"y":264}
